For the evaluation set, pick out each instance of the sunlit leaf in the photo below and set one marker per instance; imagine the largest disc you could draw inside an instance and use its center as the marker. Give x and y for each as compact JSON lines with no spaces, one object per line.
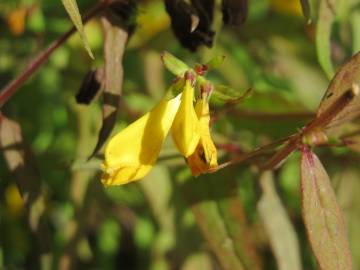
{"x":347,"y":77}
{"x":322,"y":215}
{"x":74,"y":14}
{"x":215,"y":62}
{"x":278,"y":226}
{"x":173,"y":64}
{"x":324,"y":24}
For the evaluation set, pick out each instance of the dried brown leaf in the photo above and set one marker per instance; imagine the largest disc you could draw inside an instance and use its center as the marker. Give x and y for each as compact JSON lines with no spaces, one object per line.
{"x":322,"y":216}
{"x":115,"y":40}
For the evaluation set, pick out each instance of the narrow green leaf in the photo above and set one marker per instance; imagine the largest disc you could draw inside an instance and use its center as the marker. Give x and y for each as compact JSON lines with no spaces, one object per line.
{"x":74,"y":14}
{"x":322,"y":216}
{"x":325,"y":21}
{"x":279,"y":229}
{"x":224,"y":93}
{"x":349,"y":200}
{"x":221,"y":219}
{"x":355,"y":22}
{"x":173,"y":64}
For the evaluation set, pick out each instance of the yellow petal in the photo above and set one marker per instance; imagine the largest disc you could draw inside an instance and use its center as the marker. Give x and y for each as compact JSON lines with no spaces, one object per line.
{"x":185,"y":129}
{"x":205,"y":154}
{"x":132,"y":152}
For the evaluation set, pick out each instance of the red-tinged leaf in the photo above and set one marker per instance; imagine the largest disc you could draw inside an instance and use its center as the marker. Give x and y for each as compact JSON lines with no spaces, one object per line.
{"x":347,"y":77}
{"x":322,"y":216}
{"x":116,"y":35}
{"x":278,"y":227}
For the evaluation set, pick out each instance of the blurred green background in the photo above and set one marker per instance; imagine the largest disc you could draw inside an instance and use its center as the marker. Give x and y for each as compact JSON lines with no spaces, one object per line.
{"x":169,"y":220}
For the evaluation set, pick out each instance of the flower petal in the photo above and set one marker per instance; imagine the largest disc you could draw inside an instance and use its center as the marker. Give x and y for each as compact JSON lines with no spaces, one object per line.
{"x":185,"y":129}
{"x":205,"y":154}
{"x":132,"y":152}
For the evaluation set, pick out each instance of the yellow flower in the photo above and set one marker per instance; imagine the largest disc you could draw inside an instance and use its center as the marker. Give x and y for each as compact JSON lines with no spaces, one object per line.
{"x":205,"y":155}
{"x":132,"y":152}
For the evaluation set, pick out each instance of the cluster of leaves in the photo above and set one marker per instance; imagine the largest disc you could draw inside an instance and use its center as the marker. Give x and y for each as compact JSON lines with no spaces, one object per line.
{"x":161,"y":221}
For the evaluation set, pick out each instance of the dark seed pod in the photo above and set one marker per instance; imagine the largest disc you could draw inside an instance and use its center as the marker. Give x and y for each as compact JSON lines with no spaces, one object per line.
{"x":90,"y":86}
{"x":182,"y":15}
{"x":123,"y":13}
{"x":234,"y":11}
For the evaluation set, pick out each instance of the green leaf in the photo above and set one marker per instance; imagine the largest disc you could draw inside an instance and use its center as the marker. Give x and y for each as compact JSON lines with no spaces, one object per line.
{"x":215,"y":62}
{"x":74,"y":14}
{"x":322,"y":216}
{"x":355,"y":22}
{"x":220,"y":217}
{"x":281,"y":233}
{"x":173,"y":64}
{"x":224,"y":93}
{"x":349,"y":200}
{"x":325,"y":21}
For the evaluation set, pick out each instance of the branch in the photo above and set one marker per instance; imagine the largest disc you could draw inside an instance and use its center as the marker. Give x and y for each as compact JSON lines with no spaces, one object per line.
{"x":9,"y":90}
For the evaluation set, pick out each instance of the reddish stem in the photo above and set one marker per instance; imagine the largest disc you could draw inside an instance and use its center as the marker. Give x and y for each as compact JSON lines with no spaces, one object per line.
{"x":9,"y":90}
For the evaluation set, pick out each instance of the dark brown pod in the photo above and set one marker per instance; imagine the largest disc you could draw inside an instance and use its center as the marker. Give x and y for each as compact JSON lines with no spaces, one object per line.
{"x":90,"y":86}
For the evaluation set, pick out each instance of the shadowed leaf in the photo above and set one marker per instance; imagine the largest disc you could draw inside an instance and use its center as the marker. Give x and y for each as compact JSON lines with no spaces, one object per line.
{"x":90,"y":87}
{"x":234,"y":11}
{"x":279,"y":229}
{"x":322,"y":215}
{"x":182,"y":14}
{"x":74,"y":14}
{"x":305,"y":7}
{"x":324,"y":24}
{"x":221,"y":219}
{"x":21,"y":163}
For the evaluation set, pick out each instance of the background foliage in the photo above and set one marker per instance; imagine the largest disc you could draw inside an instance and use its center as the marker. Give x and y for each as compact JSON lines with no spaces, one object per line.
{"x":235,"y":218}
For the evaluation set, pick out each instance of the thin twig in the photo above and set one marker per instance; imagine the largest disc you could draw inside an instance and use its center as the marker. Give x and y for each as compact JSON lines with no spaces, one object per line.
{"x":9,"y":90}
